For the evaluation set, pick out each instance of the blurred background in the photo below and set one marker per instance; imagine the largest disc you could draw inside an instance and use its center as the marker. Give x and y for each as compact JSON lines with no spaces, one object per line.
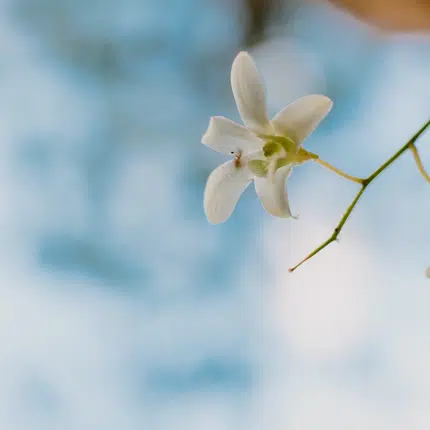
{"x":121,"y":307}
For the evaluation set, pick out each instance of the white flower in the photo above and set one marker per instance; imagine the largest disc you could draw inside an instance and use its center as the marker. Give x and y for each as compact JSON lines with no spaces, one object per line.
{"x":264,"y":151}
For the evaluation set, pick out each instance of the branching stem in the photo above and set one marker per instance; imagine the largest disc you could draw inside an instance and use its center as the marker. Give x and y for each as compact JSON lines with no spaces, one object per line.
{"x":365,"y":183}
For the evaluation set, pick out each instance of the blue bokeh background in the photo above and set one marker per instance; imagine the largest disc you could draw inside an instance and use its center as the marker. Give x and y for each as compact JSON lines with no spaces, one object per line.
{"x":122,"y":308}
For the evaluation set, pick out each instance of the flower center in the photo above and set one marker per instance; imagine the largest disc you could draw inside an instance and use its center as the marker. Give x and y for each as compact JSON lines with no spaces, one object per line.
{"x":278,"y":151}
{"x":277,"y":144}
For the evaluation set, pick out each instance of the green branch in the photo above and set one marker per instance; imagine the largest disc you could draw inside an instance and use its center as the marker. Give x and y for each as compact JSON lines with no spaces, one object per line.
{"x":365,"y":183}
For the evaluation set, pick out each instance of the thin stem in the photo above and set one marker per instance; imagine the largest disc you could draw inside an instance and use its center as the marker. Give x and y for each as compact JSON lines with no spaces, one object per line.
{"x":365,"y":183}
{"x":336,"y":231}
{"x":418,"y":162}
{"x":399,"y":152}
{"x":338,"y":171}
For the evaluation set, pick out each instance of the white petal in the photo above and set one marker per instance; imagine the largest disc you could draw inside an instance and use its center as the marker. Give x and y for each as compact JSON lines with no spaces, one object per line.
{"x":273,"y":195}
{"x":300,"y":118}
{"x":249,"y":94}
{"x":228,"y":137}
{"x":223,"y":189}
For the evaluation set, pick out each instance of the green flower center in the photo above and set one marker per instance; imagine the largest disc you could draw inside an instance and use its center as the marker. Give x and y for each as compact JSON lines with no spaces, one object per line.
{"x":259,"y":167}
{"x":280,"y":150}
{"x":275,"y":144}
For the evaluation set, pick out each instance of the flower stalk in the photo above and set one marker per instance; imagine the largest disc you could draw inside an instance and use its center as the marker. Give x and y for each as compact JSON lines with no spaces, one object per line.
{"x":338,"y":171}
{"x":418,"y":162}
{"x":365,"y":183}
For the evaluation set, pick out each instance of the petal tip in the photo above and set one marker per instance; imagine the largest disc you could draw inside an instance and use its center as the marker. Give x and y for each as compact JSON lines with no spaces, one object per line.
{"x":242,"y":54}
{"x":212,"y":216}
{"x":322,"y":99}
{"x":242,"y":59}
{"x":205,"y":137}
{"x":327,"y":102}
{"x":210,"y":132}
{"x":214,"y":221}
{"x":210,"y":220}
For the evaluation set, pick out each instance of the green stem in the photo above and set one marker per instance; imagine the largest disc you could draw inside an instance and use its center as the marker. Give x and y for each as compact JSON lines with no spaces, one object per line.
{"x":399,"y":152}
{"x":365,"y":183}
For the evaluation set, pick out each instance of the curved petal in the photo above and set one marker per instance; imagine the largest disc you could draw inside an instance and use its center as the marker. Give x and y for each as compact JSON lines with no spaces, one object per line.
{"x":273,"y":195}
{"x":300,"y":118}
{"x":223,"y":189}
{"x":228,"y":137}
{"x":249,"y":94}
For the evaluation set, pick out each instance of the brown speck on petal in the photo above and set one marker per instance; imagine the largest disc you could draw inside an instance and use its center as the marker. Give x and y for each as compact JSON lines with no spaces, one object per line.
{"x":237,"y":160}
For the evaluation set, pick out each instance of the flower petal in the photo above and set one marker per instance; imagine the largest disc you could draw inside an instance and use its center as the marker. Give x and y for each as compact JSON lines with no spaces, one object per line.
{"x":223,"y":189}
{"x":249,"y":94}
{"x":228,"y":137}
{"x":273,"y":195}
{"x":300,"y":118}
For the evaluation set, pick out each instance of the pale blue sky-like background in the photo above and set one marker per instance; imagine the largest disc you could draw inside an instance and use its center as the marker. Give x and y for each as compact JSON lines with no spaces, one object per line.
{"x":121,"y":308}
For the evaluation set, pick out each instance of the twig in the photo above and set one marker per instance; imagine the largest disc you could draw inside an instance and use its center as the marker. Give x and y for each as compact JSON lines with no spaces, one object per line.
{"x":364,"y":184}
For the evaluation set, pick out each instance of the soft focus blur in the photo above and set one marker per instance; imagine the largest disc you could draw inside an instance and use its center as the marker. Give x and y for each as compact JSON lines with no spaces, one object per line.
{"x":121,"y":307}
{"x":403,"y":15}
